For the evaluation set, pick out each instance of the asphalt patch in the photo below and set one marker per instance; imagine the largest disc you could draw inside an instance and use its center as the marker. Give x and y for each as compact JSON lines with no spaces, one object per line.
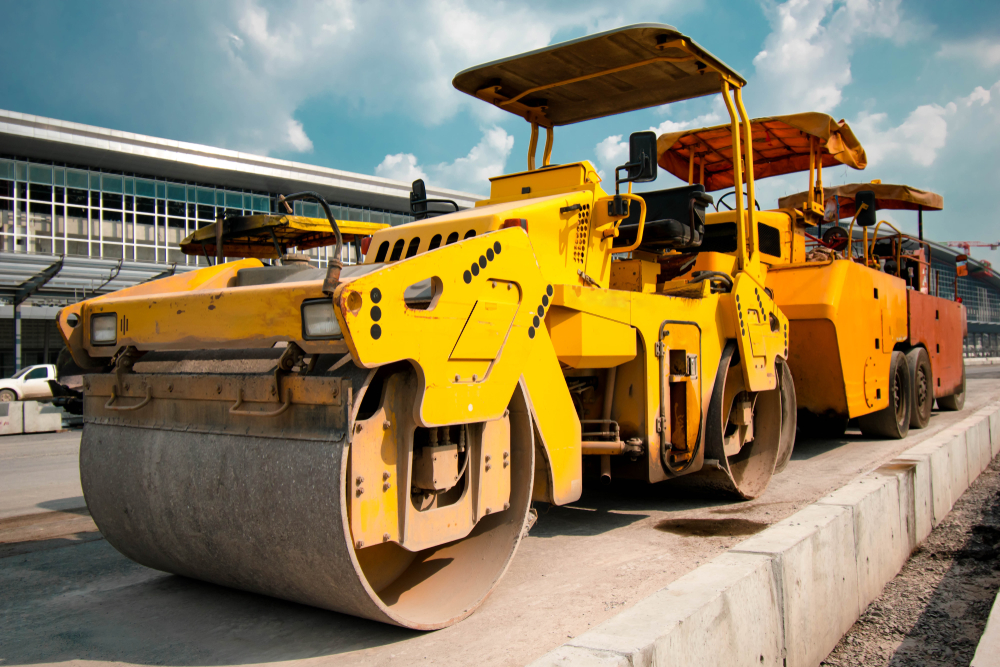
{"x":729,"y":527}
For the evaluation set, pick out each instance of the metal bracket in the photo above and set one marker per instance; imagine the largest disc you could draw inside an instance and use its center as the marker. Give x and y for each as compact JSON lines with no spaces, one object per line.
{"x":290,"y":358}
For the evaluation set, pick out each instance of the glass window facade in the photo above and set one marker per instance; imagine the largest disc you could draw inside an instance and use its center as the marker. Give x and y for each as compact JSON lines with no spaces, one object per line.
{"x":65,"y":209}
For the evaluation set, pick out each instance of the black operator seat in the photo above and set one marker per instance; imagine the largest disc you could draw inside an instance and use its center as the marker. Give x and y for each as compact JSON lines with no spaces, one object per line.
{"x":675,"y":219}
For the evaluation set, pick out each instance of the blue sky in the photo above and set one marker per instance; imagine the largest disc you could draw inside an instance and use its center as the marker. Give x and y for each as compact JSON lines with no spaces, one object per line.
{"x":366,"y":86}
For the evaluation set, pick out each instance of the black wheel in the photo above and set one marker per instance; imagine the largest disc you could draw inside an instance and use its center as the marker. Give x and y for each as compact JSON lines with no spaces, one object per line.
{"x":922,"y":394}
{"x":956,"y":401}
{"x":892,"y":421}
{"x":743,"y":435}
{"x":816,"y":426}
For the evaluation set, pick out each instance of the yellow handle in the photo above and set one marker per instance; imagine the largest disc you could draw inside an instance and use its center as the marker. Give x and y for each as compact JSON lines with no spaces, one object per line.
{"x":611,"y":233}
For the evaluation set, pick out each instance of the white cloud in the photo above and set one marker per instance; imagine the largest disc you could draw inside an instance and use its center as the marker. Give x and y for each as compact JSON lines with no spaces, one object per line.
{"x":918,"y":138}
{"x":982,"y":51}
{"x":386,"y":57}
{"x":400,"y":167}
{"x":297,"y":137}
{"x":922,"y":136}
{"x":806,"y":59}
{"x":470,"y":173}
{"x":613,"y":151}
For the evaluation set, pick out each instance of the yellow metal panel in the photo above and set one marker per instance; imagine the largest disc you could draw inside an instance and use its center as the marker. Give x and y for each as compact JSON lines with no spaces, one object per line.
{"x":867,"y":311}
{"x":379,"y":328}
{"x":634,"y":275}
{"x":762,"y":332}
{"x":489,"y":322}
{"x":562,"y":178}
{"x":582,"y":340}
{"x":235,"y":317}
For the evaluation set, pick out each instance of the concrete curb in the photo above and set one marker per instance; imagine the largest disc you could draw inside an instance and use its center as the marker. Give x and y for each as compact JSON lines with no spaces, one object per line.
{"x":982,"y":361}
{"x":788,"y":594}
{"x":988,"y":650}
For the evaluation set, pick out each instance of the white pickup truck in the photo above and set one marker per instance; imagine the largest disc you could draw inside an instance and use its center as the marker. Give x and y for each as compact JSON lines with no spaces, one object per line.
{"x":31,"y":384}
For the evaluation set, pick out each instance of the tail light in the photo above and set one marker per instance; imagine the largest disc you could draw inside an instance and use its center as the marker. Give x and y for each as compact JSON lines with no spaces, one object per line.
{"x":515,"y":222}
{"x":365,"y":243}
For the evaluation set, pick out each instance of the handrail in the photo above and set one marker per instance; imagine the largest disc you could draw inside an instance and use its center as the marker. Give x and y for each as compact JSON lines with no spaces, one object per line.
{"x":125,"y":408}
{"x":235,"y":409}
{"x":611,"y":233}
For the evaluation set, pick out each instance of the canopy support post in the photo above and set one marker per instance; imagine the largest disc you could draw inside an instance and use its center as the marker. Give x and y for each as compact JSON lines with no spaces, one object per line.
{"x":549,"y":137}
{"x":751,"y":192}
{"x":532,"y":146}
{"x":691,"y":166}
{"x":920,"y":222}
{"x":734,"y":129}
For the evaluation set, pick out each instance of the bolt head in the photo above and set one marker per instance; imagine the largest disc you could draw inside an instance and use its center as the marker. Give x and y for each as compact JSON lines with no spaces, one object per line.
{"x":170,"y":387}
{"x":360,"y":543}
{"x":386,"y":424}
{"x":385,"y":537}
{"x":387,"y":486}
{"x":334,"y":391}
{"x":488,"y":466}
{"x":488,"y":510}
{"x":506,"y":506}
{"x":218,"y":389}
{"x":386,"y":475}
{"x":360,"y":480}
{"x":487,"y":458}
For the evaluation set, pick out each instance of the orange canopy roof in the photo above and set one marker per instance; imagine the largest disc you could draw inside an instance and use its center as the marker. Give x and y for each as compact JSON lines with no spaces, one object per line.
{"x":887,"y":196}
{"x":780,"y":146}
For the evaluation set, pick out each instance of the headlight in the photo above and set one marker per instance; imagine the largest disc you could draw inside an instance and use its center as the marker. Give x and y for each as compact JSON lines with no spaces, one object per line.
{"x":104,"y":328}
{"x":318,"y":320}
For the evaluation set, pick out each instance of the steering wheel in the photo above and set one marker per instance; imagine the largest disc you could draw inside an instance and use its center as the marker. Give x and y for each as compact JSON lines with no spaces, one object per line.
{"x":728,"y":207}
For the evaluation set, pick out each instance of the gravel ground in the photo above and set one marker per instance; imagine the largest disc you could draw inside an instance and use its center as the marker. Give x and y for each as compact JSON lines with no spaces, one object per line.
{"x":935,"y":610}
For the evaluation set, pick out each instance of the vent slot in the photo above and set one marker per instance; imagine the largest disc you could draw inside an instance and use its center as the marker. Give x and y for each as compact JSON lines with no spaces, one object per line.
{"x":582,"y":235}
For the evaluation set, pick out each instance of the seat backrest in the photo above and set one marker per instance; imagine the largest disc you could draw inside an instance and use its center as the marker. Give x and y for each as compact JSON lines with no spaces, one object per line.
{"x":675,"y":218}
{"x":672,"y":204}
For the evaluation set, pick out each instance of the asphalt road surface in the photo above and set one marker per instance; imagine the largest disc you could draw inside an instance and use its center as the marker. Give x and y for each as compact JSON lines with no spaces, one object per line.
{"x":69,"y":596}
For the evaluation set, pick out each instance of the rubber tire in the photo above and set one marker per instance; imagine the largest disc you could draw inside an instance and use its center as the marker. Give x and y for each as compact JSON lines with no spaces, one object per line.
{"x":919,"y":365}
{"x":956,"y":401}
{"x":892,"y":421}
{"x":816,"y":426}
{"x":7,"y":395}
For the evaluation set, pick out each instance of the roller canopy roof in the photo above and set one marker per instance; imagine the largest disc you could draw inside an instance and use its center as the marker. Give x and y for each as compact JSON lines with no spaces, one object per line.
{"x":255,"y":235}
{"x":887,"y":196}
{"x":629,"y":68}
{"x":780,"y":146}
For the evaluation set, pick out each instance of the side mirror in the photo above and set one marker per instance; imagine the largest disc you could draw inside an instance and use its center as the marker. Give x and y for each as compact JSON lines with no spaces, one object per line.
{"x":418,"y":199}
{"x":866,"y":217}
{"x":641,"y":166}
{"x":642,"y":157}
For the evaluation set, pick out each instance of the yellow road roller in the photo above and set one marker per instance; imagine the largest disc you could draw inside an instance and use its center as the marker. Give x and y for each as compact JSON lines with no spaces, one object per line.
{"x":369,"y":438}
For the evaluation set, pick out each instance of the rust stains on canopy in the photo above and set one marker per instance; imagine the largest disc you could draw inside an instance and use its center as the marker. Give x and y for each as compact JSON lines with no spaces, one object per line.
{"x":258,"y":235}
{"x":780,"y":146}
{"x":887,"y":196}
{"x":629,"y":68}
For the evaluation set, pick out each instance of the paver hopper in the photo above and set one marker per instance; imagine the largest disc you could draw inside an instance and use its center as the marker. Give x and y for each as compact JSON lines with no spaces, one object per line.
{"x":369,"y":438}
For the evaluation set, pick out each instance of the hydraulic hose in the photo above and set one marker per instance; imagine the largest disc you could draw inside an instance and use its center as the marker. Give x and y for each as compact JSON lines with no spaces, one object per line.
{"x":334,"y":265}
